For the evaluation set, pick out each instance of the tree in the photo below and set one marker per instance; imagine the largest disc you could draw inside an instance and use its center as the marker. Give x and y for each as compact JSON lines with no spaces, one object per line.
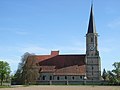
{"x":114,"y":75}
{"x":104,"y":75}
{"x":4,"y":70}
{"x":116,"y":69}
{"x":116,"y":72}
{"x":111,"y":77}
{"x":18,"y":75}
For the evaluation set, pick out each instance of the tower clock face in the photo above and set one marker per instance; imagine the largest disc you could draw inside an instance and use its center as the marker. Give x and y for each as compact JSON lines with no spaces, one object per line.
{"x":91,"y":47}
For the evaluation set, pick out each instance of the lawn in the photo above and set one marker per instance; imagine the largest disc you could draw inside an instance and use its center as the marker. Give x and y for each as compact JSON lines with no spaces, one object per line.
{"x":5,"y":87}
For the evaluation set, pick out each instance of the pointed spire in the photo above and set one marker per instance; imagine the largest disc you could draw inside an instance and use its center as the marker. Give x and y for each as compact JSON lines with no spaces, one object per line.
{"x":91,"y":27}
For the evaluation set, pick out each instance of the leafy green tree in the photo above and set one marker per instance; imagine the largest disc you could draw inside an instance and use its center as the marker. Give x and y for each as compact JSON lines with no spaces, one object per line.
{"x":4,"y":70}
{"x":116,"y":72}
{"x":111,"y":77}
{"x":114,"y":76}
{"x":116,"y":69}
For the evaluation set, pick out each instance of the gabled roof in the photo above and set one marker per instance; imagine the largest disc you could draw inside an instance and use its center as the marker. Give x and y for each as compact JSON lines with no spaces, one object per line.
{"x":62,"y":64}
{"x":91,"y":26}
{"x":61,"y":61}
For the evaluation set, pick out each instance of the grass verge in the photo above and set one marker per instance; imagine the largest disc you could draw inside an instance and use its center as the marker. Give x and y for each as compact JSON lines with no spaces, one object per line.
{"x":5,"y":86}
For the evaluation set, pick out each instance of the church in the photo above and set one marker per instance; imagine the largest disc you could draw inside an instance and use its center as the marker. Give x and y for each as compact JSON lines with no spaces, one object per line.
{"x":66,"y":69}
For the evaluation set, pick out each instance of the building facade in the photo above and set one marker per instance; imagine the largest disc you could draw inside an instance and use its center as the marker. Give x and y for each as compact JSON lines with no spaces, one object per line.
{"x":66,"y":69}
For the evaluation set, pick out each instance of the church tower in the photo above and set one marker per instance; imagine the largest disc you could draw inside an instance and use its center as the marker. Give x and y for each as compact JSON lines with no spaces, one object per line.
{"x":93,"y":66}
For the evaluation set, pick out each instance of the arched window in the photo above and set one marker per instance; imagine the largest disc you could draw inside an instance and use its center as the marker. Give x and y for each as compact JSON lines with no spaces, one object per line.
{"x":58,"y":78}
{"x":73,"y":78}
{"x":43,"y":78}
{"x":65,"y":77}
{"x":81,"y":77}
{"x":50,"y":77}
{"x":91,"y":39}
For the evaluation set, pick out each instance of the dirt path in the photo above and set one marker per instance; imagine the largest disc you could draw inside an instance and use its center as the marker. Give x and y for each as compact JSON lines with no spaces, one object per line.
{"x":64,"y":88}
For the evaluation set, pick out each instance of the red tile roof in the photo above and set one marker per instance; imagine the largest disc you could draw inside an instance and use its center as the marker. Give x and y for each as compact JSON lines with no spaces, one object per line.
{"x":71,"y":70}
{"x":61,"y":64}
{"x":47,"y":69}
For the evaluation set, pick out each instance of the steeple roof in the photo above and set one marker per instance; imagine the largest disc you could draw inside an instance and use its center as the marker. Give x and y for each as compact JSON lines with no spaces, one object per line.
{"x":91,"y":26}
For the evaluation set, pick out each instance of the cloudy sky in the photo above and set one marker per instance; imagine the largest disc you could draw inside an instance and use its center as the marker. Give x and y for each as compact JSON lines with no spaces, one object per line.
{"x":39,"y":26}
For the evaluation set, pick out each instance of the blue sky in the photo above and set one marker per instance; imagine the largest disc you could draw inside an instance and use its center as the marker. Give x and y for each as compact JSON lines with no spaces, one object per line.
{"x":39,"y":26}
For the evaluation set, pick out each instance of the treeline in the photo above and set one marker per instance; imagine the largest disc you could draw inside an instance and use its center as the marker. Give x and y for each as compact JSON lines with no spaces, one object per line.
{"x":113,"y":76}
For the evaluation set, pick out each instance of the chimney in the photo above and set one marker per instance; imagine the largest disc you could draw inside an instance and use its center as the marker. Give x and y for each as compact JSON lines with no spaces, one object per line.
{"x":54,"y":53}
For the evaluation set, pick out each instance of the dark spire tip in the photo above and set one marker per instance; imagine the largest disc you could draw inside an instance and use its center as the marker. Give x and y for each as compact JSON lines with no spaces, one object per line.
{"x":91,"y":3}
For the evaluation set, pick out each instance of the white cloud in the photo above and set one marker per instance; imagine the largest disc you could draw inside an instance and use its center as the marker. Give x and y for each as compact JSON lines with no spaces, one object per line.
{"x":18,"y":31}
{"x":32,"y":49}
{"x":21,"y":33}
{"x":23,"y":48}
